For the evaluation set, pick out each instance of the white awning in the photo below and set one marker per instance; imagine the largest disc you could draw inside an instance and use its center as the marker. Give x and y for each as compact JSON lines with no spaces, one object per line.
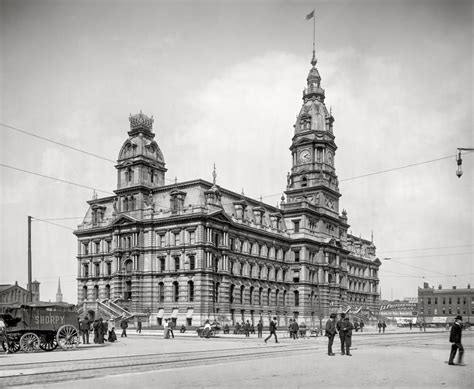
{"x":174,"y":314}
{"x":189,"y":314}
{"x":160,"y":313}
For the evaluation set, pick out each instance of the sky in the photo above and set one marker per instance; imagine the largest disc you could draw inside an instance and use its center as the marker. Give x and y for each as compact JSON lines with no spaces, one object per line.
{"x":223,"y":81}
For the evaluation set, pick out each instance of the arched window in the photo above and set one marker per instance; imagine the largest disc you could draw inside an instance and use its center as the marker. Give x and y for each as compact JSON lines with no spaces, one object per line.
{"x":277,"y":297}
{"x":128,"y":266}
{"x":176,"y":263}
{"x":96,"y":292}
{"x":251,"y":295}
{"x":190,"y":291}
{"x":107,"y":291}
{"x":175,"y":291}
{"x":269,"y":292}
{"x":84,"y":292}
{"x":242,"y":294}
{"x":284,"y":298}
{"x":260,"y":295}
{"x":297,"y":298}
{"x":161,"y":292}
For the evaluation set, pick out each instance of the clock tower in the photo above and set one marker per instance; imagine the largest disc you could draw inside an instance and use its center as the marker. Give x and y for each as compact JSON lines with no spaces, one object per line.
{"x":313,"y":176}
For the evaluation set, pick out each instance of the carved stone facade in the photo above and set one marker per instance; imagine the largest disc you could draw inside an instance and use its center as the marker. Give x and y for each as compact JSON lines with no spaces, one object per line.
{"x":193,"y":250}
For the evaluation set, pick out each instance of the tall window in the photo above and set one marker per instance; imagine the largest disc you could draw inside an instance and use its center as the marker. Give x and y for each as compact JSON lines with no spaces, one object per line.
{"x":297,"y":298}
{"x":192,"y":262}
{"x":107,"y":291}
{"x":176,"y":263}
{"x":175,"y":291}
{"x":109,"y":268}
{"x":86,"y":248}
{"x":96,"y":292}
{"x":129,"y":266}
{"x":269,"y":292}
{"x":296,"y":226}
{"x":242,"y":294}
{"x":84,"y":292}
{"x":231,"y":297}
{"x":216,"y":292}
{"x":97,"y":269}
{"x":190,"y":291}
{"x":260,"y":295}
{"x":161,"y":292}
{"x":86,"y":270}
{"x":297,"y":255}
{"x":162,"y":264}
{"x":128,"y":290}
{"x":251,"y":295}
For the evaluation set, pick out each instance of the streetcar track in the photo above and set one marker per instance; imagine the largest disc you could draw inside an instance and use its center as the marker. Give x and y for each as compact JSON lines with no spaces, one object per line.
{"x":57,"y":371}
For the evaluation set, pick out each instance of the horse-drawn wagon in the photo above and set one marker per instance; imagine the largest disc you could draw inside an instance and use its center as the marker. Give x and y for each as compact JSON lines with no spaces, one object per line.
{"x":42,"y":326}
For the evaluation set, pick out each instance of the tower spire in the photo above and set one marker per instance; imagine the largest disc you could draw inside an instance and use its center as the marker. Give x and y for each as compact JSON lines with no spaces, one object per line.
{"x":59,"y":295}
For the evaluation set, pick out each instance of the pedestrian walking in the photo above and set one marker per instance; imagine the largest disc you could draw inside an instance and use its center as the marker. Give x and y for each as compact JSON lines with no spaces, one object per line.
{"x":362,"y":326}
{"x":379,"y":324}
{"x":259,"y":329}
{"x":347,"y":328}
{"x":410,"y":324}
{"x":124,"y":326}
{"x":166,"y":329}
{"x":272,"y":328}
{"x":342,"y":336}
{"x":85,"y":327}
{"x":455,"y":339}
{"x":139,"y":326}
{"x":331,"y":332}
{"x":384,"y":326}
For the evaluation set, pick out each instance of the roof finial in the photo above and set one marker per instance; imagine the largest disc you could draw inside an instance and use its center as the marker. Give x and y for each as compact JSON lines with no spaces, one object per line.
{"x":214,"y":175}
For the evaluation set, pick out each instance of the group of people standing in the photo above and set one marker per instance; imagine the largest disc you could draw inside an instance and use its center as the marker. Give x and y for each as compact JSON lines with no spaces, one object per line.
{"x":100,"y":329}
{"x":344,"y":328}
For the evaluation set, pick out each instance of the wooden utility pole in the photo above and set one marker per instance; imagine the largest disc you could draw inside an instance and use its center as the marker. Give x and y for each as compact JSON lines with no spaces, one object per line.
{"x":30,"y":294}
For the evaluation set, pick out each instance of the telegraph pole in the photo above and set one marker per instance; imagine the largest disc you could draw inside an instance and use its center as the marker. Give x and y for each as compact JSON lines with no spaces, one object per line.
{"x":30,"y":294}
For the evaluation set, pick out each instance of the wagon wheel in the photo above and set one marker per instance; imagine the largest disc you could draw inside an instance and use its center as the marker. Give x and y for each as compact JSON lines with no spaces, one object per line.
{"x":29,"y":342}
{"x":67,"y":337}
{"x":12,"y":346}
{"x":48,"y":342}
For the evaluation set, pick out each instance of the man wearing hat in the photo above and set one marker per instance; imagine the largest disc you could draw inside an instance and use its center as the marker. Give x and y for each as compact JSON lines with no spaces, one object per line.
{"x":342,"y":336}
{"x":331,"y":332}
{"x":455,"y":339}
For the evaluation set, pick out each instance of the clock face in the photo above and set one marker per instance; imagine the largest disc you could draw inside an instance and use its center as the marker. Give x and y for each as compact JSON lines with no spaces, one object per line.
{"x":305,"y":156}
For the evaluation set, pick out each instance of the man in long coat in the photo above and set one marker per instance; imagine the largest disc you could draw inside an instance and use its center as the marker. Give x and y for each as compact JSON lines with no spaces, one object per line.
{"x":455,"y":339}
{"x":331,"y":332}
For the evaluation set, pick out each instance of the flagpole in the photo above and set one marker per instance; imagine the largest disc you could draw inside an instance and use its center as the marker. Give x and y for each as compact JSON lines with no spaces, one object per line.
{"x":314,"y":33}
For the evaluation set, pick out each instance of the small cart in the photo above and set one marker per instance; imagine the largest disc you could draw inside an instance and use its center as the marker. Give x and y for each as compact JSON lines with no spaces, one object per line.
{"x":44,"y":326}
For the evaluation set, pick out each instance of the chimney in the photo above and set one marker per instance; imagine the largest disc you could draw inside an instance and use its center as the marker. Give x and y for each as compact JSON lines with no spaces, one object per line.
{"x":454,"y":287}
{"x":425,"y":285}
{"x":440,"y":287}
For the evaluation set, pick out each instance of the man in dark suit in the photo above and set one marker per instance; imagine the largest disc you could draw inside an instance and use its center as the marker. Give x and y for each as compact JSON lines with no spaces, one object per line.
{"x":273,"y":328}
{"x":342,"y":337}
{"x":331,"y":332}
{"x":347,"y":328}
{"x":85,"y":327}
{"x":455,"y":339}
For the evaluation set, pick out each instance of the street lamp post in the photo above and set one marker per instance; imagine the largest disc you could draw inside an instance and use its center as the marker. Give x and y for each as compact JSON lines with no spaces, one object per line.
{"x":459,"y":159}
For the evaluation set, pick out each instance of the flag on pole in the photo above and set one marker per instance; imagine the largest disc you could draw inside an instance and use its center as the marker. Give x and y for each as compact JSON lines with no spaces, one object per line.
{"x":310,"y":15}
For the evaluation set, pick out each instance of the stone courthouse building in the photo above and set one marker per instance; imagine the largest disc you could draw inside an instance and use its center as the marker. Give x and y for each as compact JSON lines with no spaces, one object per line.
{"x":194,"y":250}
